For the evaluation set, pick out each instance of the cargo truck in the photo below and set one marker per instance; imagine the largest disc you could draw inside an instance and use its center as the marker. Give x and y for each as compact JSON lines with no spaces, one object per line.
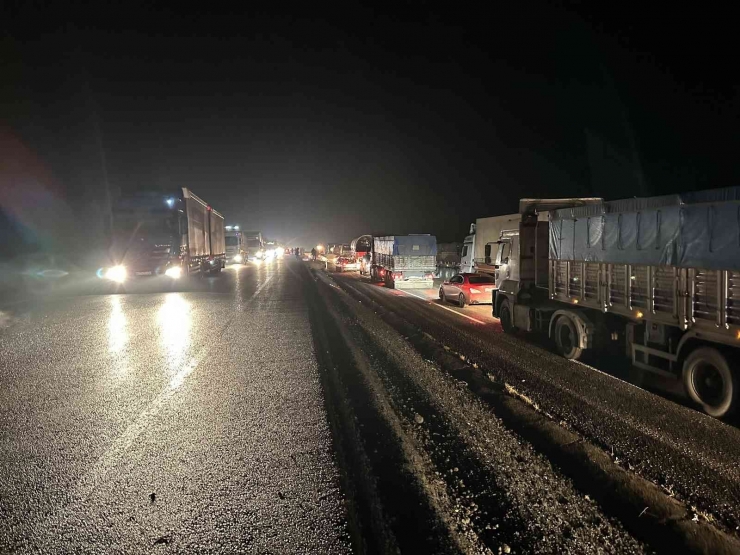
{"x":480,"y":247}
{"x":255,"y":245}
{"x":659,"y":278}
{"x":172,"y":235}
{"x":404,"y":261}
{"x":235,"y":245}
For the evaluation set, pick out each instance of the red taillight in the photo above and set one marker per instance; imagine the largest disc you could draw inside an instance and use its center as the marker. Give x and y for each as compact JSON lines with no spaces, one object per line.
{"x":382,"y":272}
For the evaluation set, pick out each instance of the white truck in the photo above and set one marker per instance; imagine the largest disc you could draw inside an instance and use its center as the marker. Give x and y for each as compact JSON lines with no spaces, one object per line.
{"x":479,"y":248}
{"x":236,"y":245}
{"x":255,"y":245}
{"x":659,"y":278}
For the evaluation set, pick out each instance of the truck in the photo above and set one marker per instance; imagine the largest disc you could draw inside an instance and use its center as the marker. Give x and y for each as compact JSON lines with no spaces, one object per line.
{"x":480,"y":247}
{"x":236,"y":248}
{"x":448,"y":255}
{"x":404,"y":261}
{"x":172,"y":235}
{"x":657,"y":279}
{"x":255,"y":245}
{"x":361,"y":249}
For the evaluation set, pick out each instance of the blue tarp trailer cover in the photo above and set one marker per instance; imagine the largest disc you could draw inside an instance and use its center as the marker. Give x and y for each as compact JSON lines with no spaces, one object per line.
{"x":694,"y":230}
{"x":407,"y":245}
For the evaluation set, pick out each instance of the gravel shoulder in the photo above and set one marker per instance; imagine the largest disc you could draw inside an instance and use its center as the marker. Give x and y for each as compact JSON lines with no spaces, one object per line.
{"x":472,"y":484}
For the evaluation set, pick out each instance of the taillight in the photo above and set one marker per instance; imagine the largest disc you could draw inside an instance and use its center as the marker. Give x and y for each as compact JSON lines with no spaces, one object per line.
{"x":397,"y":275}
{"x":382,"y":272}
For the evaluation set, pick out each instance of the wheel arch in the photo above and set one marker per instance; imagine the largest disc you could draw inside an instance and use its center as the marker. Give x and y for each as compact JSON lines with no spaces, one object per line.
{"x":584,"y":326}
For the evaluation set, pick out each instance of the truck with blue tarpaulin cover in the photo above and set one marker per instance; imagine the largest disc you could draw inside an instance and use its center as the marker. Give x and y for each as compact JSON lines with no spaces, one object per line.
{"x":404,"y":261}
{"x":658,"y":277}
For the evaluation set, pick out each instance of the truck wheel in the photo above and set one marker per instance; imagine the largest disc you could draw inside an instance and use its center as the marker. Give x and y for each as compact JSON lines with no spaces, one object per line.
{"x":461,"y":301}
{"x":507,"y":322}
{"x":566,"y":338}
{"x":709,"y":382}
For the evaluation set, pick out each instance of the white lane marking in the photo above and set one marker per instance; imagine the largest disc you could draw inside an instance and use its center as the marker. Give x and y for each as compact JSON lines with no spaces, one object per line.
{"x":116,"y":452}
{"x":442,"y":306}
{"x":607,"y":374}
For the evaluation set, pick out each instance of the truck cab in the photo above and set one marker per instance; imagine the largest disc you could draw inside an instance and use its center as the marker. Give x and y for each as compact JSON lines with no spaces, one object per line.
{"x":235,"y":246}
{"x":506,"y":261}
{"x":467,"y":256}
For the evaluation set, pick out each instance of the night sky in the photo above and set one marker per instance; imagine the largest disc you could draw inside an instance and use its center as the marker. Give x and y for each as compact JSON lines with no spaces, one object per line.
{"x":320,"y":127}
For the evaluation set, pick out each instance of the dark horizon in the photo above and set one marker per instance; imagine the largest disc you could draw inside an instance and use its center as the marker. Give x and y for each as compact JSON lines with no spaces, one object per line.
{"x":322,"y":129}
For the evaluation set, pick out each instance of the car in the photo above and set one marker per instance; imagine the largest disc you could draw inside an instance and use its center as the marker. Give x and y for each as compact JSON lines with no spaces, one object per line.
{"x":468,"y":289}
{"x":344,"y":264}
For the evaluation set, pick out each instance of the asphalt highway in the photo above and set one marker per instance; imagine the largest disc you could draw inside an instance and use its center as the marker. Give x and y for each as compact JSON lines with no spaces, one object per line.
{"x":188,"y":418}
{"x":280,"y":408}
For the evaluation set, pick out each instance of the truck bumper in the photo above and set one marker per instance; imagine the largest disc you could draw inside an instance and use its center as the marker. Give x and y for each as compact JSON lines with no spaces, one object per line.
{"x":414,"y":284}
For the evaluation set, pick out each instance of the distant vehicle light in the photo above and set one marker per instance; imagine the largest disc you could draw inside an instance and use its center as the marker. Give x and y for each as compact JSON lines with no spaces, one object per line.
{"x":170,"y":202}
{"x":238,"y":258}
{"x":175,"y":272}
{"x":236,"y":227}
{"x":116,"y":273}
{"x":228,"y":228}
{"x":260,"y":253}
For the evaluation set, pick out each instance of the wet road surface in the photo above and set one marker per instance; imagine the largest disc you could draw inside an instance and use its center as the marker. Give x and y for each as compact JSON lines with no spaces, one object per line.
{"x":192,"y":420}
{"x":281,"y":409}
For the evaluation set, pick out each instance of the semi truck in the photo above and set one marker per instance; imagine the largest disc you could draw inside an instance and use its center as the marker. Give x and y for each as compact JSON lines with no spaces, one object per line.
{"x":172,"y":235}
{"x":658,"y":278}
{"x":480,"y":247}
{"x":236,"y":248}
{"x":255,"y":245}
{"x":404,"y":261}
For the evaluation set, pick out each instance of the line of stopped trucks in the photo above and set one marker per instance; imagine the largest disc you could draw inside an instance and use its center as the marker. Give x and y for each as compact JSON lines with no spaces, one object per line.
{"x":654,"y":279}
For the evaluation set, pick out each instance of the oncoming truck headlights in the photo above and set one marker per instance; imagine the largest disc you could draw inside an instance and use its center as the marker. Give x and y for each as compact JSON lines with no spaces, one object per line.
{"x":116,"y":273}
{"x":173,"y":272}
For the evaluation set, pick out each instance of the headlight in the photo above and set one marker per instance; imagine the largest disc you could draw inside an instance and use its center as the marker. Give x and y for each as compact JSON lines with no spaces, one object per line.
{"x":238,"y":258}
{"x":174,"y":272}
{"x":260,"y":253}
{"x":116,"y":273}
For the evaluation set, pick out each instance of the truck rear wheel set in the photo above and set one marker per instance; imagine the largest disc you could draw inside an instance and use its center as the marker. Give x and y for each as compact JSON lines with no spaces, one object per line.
{"x":710,"y":382}
{"x":567,"y":339}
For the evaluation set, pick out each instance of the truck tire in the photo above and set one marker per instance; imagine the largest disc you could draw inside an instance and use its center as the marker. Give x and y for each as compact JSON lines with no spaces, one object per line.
{"x":505,"y":317}
{"x":710,"y":382}
{"x":566,"y":338}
